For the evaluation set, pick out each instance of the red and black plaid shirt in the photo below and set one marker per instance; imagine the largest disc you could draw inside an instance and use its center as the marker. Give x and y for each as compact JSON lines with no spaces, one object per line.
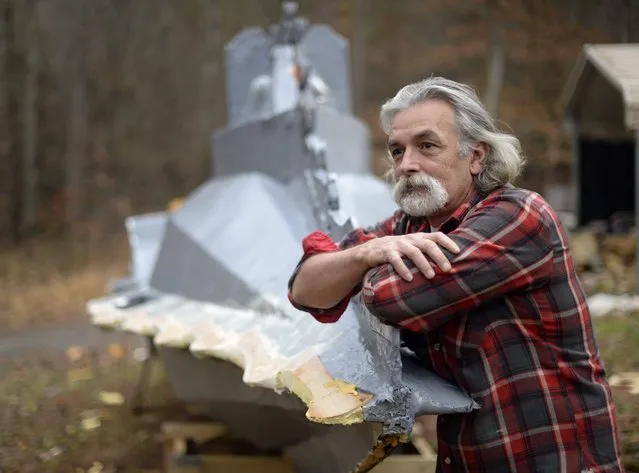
{"x":509,"y":325}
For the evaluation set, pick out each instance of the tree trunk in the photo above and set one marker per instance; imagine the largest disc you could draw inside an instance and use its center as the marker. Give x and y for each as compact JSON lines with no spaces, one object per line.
{"x":12,"y":91}
{"x":360,"y":31}
{"x":212,"y":98}
{"x":76,"y":148}
{"x":496,"y":62}
{"x":5,"y":181}
{"x":625,"y":17}
{"x":77,"y":119}
{"x":30,"y":128}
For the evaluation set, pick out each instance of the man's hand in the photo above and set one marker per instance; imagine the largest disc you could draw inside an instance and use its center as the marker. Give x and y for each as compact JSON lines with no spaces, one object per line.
{"x":421,"y":248}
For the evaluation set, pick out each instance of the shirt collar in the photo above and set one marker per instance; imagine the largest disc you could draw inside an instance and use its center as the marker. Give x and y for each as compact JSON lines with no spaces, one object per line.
{"x":460,"y":213}
{"x":420,"y":224}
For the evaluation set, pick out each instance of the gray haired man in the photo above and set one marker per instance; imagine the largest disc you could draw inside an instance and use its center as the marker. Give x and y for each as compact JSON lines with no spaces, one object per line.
{"x":478,"y":275}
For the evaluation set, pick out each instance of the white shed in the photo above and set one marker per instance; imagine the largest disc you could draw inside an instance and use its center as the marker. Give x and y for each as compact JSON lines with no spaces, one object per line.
{"x":601,"y":111}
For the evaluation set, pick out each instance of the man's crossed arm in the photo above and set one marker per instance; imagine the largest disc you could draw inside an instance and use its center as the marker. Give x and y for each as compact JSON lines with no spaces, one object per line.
{"x":501,"y":246}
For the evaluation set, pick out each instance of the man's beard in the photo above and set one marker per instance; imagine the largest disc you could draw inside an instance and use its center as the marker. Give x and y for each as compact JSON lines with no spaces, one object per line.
{"x":420,"y":195}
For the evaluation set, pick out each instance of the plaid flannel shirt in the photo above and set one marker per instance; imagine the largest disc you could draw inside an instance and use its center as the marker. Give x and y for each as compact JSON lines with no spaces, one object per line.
{"x":509,"y":324}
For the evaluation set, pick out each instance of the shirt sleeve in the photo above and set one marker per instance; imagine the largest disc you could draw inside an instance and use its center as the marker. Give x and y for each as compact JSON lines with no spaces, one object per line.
{"x":319,"y":242}
{"x":506,"y":245}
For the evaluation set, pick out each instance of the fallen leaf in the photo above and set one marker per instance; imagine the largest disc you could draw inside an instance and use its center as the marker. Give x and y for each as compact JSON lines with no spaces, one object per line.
{"x":116,"y":351}
{"x":80,"y":374}
{"x":629,"y":380}
{"x":91,"y":419}
{"x":97,"y":467}
{"x":111,"y":398}
{"x":75,"y":352}
{"x":91,"y":423}
{"x":50,"y":454}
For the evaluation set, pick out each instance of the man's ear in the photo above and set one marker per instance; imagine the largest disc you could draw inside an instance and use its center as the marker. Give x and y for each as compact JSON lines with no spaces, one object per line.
{"x":477,"y":157}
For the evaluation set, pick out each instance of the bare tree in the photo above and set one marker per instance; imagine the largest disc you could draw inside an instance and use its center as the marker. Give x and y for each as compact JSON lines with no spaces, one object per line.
{"x":496,"y":60}
{"x":212,"y":85}
{"x":625,"y":20}
{"x":78,"y":112}
{"x":360,"y":31}
{"x":11,"y":93}
{"x":4,"y":132}
{"x":30,"y":123}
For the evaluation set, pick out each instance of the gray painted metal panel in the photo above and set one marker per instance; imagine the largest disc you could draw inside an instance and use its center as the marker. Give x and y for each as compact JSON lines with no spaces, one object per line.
{"x":348,"y":142}
{"x":274,"y":146}
{"x":145,"y":234}
{"x":185,"y":267}
{"x":247,"y":57}
{"x":285,"y":87}
{"x":215,"y":388}
{"x":328,"y":53}
{"x":249,"y":227}
{"x":357,"y":192}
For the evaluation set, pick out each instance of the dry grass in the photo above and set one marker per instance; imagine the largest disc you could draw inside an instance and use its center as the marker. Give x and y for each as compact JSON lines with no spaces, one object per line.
{"x":48,"y":281}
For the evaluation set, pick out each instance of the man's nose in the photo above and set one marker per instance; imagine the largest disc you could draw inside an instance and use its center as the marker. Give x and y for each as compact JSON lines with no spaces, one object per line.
{"x":409,"y":163}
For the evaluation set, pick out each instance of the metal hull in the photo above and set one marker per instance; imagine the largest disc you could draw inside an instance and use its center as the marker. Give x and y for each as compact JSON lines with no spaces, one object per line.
{"x":209,"y":280}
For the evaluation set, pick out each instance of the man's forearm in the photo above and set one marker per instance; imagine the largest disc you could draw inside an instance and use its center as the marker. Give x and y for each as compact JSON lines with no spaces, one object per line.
{"x":326,"y":278}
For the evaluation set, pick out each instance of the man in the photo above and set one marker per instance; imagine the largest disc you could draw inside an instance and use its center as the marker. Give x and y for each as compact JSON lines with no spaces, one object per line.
{"x":478,"y":275}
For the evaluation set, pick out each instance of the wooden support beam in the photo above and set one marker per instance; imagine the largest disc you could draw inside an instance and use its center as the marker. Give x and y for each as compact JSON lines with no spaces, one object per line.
{"x":232,"y":464}
{"x":177,"y":434}
{"x":418,"y":439}
{"x":229,"y":464}
{"x":405,"y":464}
{"x":179,"y":460}
{"x":197,"y":431}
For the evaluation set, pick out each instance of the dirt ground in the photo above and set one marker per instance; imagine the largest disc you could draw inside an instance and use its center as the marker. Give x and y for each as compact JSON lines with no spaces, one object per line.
{"x":73,"y":412}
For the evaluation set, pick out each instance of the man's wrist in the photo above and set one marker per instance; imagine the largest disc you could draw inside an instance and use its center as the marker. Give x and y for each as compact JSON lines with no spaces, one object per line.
{"x":358,"y":257}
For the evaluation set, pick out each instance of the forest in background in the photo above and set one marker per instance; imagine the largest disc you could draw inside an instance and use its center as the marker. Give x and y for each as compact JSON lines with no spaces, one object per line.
{"x":107,"y":106}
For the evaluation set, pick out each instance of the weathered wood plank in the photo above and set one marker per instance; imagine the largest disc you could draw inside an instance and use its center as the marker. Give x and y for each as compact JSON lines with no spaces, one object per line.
{"x":405,"y":464}
{"x":196,"y":431}
{"x":228,"y":464}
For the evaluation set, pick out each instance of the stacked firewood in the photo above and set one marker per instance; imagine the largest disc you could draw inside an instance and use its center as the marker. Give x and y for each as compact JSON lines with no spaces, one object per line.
{"x":604,"y":255}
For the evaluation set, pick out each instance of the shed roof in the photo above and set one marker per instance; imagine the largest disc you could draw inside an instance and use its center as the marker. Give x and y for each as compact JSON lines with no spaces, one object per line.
{"x":603,"y":88}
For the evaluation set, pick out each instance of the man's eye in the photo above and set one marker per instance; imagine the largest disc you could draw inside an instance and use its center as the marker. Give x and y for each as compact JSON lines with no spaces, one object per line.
{"x":396,"y":153}
{"x":426,"y":146}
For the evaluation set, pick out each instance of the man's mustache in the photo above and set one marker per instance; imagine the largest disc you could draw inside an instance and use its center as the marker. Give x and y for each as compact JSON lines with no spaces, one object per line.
{"x":416,"y":181}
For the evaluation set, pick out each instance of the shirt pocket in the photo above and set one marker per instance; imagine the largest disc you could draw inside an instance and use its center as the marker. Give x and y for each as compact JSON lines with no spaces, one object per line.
{"x":464,"y":340}
{"x":464,"y":345}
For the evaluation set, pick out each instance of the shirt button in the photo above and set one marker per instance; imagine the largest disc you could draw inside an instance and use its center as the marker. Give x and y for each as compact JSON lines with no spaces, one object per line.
{"x":437,"y":347}
{"x":447,"y":460}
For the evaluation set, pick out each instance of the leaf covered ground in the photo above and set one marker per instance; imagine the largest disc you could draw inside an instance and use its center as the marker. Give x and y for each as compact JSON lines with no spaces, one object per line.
{"x":618,"y":339}
{"x":73,"y":413}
